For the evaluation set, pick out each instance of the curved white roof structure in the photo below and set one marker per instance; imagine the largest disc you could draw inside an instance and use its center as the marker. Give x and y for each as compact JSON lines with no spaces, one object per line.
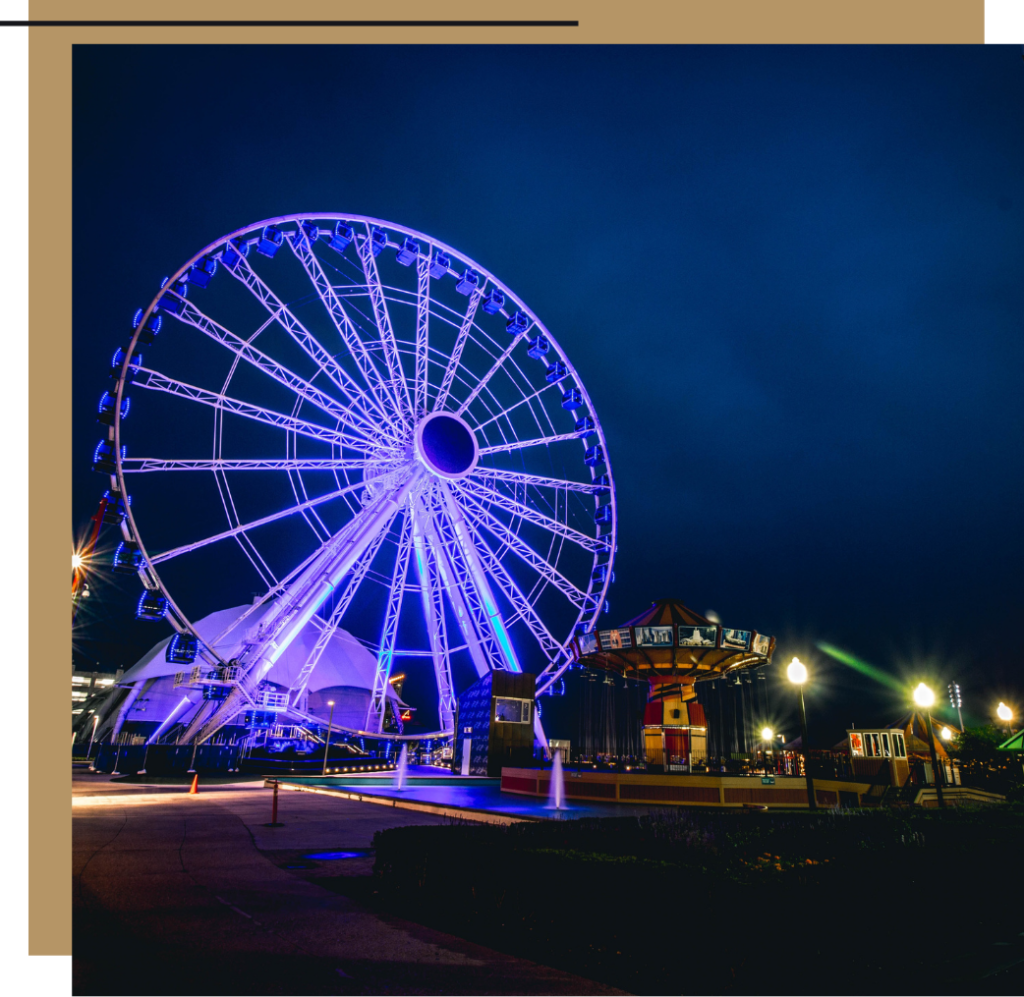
{"x":346,"y":668}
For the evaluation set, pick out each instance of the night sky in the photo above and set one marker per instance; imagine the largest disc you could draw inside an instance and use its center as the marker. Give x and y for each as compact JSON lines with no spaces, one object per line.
{"x":791,"y":278}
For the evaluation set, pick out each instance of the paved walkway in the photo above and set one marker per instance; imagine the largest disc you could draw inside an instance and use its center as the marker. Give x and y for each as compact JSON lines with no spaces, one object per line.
{"x":190,"y":895}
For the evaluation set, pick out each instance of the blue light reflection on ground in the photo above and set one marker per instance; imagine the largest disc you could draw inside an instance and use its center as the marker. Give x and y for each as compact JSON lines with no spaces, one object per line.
{"x":332,"y":856}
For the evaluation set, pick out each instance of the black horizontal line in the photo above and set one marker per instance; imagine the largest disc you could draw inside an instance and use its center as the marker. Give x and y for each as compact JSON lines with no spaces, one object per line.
{"x":289,"y":24}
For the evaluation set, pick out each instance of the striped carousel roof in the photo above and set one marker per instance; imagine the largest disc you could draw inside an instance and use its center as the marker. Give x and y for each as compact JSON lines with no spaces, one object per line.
{"x":671,"y":642}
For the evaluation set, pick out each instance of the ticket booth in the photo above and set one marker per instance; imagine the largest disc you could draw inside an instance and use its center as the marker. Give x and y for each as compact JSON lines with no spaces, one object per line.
{"x":869,"y":747}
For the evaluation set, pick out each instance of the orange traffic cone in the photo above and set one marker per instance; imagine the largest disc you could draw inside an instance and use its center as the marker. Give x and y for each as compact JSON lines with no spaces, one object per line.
{"x":195,"y":785}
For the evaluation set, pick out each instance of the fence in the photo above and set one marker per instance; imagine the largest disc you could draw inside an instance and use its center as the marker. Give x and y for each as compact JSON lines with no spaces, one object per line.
{"x":168,"y":759}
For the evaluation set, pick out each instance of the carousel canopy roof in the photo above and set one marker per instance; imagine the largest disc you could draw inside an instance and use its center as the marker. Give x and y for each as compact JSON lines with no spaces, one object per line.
{"x":671,"y":642}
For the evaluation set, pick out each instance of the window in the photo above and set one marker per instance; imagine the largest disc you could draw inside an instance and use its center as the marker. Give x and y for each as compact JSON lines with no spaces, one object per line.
{"x":886,"y":750}
{"x":512,"y":711}
{"x":899,"y":748}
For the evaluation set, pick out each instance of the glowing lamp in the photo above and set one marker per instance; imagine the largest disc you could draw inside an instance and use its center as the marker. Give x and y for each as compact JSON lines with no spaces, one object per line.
{"x":797,"y":672}
{"x":1004,"y":713}
{"x":767,"y":734}
{"x":330,"y":702}
{"x":947,"y":734}
{"x":923,"y":696}
{"x":76,"y":561}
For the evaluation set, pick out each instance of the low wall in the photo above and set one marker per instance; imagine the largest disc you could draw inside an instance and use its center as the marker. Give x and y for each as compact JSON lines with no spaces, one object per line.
{"x":686,"y":790}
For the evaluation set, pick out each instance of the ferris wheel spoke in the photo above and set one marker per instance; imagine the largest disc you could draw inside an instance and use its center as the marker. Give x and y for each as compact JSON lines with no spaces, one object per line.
{"x":422,"y":333}
{"x":255,"y":523}
{"x":495,"y":367}
{"x":307,"y":342}
{"x":246,"y":351}
{"x":522,"y":401}
{"x":143,"y":465}
{"x":541,"y":441}
{"x":437,"y":631}
{"x":153,"y":380}
{"x":481,"y":516}
{"x":328,"y":630}
{"x":594,"y":545}
{"x":303,"y":251}
{"x":460,"y":344}
{"x":520,"y":604}
{"x":522,"y":479}
{"x":389,"y":632}
{"x":383,"y":320}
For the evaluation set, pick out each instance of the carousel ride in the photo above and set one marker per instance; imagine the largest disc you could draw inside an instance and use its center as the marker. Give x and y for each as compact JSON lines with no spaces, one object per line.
{"x":672,"y":648}
{"x":372,"y":431}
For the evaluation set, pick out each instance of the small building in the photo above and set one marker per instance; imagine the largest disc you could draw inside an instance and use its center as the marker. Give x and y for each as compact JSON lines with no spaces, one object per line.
{"x":494,"y":724}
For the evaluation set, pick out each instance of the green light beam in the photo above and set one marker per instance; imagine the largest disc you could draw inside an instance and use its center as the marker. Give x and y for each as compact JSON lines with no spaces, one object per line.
{"x":883,"y":678}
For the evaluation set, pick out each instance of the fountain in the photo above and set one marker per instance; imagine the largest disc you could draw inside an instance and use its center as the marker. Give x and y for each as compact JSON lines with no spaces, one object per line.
{"x":400,"y":772}
{"x":556,"y":794}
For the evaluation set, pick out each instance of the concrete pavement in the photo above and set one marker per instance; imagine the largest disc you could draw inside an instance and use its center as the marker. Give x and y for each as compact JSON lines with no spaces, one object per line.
{"x":192,"y":895}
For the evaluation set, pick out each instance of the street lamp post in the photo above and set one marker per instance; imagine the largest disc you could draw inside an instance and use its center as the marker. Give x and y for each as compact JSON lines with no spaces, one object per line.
{"x":797,"y":674}
{"x":924,"y":698}
{"x":327,"y":743}
{"x":1006,"y":715}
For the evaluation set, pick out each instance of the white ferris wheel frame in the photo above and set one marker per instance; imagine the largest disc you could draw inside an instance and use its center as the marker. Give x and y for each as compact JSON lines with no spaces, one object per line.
{"x":446,"y":521}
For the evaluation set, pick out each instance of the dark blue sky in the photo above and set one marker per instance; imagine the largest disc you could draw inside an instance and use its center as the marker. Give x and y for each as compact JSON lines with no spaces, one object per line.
{"x":791,"y":278}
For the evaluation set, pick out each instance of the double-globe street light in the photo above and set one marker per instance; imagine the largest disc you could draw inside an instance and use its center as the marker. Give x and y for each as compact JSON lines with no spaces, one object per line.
{"x":925,"y":698}
{"x":797,"y":674}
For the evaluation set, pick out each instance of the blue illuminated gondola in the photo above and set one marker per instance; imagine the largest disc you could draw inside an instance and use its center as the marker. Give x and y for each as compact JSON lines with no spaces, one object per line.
{"x":603,"y":485}
{"x":378,"y":240}
{"x":556,"y":372}
{"x":270,"y":241}
{"x":150,"y":329}
{"x":494,"y":302}
{"x":107,"y":405}
{"x":572,"y":399}
{"x":234,"y":252}
{"x":311,"y":231}
{"x":152,"y":606}
{"x":113,"y":507}
{"x":127,"y":558}
{"x":603,"y":515}
{"x":409,"y":251}
{"x":593,"y":455}
{"x":182,"y":649}
{"x":517,"y":324}
{"x":601,"y":574}
{"x":117,"y":363}
{"x":539,"y":348}
{"x":585,"y":425}
{"x":468,"y":282}
{"x":342,"y":237}
{"x":168,"y":302}
{"x":439,"y":265}
{"x":201,"y":272}
{"x":103,"y":457}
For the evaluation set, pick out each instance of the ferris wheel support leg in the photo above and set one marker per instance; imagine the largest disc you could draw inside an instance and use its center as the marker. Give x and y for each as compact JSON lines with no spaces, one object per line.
{"x":389,"y":633}
{"x":297,"y":606}
{"x":433,"y":614}
{"x":478,"y":579}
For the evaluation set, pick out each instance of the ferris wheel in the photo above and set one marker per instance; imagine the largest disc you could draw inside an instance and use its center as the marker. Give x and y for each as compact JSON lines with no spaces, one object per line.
{"x":366,"y":429}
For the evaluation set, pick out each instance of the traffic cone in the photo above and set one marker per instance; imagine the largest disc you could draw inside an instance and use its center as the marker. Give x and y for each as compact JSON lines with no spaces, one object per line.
{"x":194,"y":790}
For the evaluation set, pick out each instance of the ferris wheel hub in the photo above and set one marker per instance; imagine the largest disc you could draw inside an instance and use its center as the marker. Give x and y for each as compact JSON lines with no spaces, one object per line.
{"x":446,"y":445}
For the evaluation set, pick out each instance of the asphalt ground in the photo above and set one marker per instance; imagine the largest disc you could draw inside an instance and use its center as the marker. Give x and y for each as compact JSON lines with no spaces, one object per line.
{"x":178,"y":894}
